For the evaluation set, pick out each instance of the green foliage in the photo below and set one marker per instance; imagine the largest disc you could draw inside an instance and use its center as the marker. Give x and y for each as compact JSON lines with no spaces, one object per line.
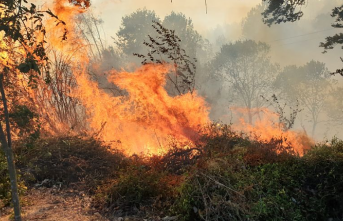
{"x":134,"y":29}
{"x":229,"y":178}
{"x":67,"y":160}
{"x":281,"y":11}
{"x":331,"y":41}
{"x":14,"y":24}
{"x":281,"y":187}
{"x":26,"y":122}
{"x":137,"y":187}
{"x":166,"y":47}
{"x":307,"y":188}
{"x":210,"y":192}
{"x":5,"y":187}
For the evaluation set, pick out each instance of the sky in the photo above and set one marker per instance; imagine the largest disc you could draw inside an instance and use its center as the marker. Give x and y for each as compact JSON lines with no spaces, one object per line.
{"x":219,"y":12}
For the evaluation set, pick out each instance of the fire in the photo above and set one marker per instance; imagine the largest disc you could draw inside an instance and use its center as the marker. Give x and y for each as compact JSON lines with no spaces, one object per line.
{"x":143,"y":121}
{"x":265,"y":129}
{"x":147,"y":118}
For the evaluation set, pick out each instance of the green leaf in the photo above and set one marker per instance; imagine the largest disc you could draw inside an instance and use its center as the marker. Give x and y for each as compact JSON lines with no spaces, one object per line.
{"x":24,"y":67}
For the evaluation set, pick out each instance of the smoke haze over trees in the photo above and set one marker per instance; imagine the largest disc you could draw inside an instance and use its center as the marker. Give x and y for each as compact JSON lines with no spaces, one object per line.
{"x":119,"y":34}
{"x":168,"y":85}
{"x":230,"y":74}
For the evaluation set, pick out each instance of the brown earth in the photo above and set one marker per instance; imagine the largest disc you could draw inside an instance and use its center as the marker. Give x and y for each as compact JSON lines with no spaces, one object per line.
{"x":51,"y":204}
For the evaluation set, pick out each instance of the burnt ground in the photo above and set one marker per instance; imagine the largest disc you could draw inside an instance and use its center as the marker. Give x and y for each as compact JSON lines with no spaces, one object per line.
{"x":52,"y":204}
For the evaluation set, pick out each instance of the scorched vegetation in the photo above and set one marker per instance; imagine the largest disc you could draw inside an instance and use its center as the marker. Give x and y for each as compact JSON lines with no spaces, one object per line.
{"x":230,"y":177}
{"x":131,"y":128}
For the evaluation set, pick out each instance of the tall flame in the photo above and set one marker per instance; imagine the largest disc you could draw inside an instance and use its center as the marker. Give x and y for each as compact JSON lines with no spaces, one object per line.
{"x":143,"y":120}
{"x":147,"y":117}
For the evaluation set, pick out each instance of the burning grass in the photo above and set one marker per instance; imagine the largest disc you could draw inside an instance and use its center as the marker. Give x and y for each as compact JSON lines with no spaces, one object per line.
{"x":229,"y":177}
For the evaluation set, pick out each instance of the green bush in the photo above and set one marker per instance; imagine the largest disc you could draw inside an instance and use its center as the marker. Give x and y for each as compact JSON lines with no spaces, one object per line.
{"x":140,"y":188}
{"x":68,"y":160}
{"x":228,"y":178}
{"x":253,"y":183}
{"x":5,"y":186}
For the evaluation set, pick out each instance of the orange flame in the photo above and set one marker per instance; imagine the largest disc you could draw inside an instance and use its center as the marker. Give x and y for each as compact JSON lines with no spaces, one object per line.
{"x":265,"y":129}
{"x":144,"y":120}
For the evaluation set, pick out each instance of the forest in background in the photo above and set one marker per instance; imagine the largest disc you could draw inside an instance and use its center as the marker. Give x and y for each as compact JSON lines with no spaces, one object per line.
{"x":202,"y":130}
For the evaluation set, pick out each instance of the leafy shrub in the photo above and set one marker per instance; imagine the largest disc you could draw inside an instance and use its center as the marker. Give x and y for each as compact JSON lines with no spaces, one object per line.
{"x":211,"y":194}
{"x":5,"y":186}
{"x":254,"y":183}
{"x":140,"y":188}
{"x":25,"y":123}
{"x":228,"y":178}
{"x":68,"y":160}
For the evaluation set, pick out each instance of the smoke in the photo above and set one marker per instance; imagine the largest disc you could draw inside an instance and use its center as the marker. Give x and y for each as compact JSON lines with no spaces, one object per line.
{"x":227,"y":22}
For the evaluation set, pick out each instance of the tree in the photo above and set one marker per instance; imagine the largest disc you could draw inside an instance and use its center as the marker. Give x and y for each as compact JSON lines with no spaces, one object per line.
{"x":102,"y":58}
{"x":21,"y":25}
{"x":310,"y":85}
{"x":254,"y":28}
{"x":166,"y":48}
{"x":280,"y":11}
{"x":331,"y":41}
{"x":143,"y":28}
{"x":334,"y":105}
{"x":247,"y":70}
{"x":191,"y":40}
{"x":134,"y":29}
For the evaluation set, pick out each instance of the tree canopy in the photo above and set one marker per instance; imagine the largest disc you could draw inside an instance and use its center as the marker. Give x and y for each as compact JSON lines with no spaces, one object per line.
{"x":246,"y":67}
{"x":134,"y":29}
{"x":310,"y":85}
{"x":280,"y":11}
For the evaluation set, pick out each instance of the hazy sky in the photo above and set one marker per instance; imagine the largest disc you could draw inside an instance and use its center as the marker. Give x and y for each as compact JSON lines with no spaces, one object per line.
{"x":224,"y":17}
{"x":219,"y":12}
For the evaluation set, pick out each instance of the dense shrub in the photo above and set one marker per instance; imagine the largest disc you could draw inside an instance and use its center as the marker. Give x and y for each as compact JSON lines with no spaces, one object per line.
{"x":276,"y":187}
{"x":139,"y":189}
{"x":81,"y":162}
{"x":5,"y":186}
{"x":226,"y":177}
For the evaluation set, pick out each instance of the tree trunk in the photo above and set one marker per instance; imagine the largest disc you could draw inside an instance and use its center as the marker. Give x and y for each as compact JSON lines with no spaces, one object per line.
{"x":7,"y":146}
